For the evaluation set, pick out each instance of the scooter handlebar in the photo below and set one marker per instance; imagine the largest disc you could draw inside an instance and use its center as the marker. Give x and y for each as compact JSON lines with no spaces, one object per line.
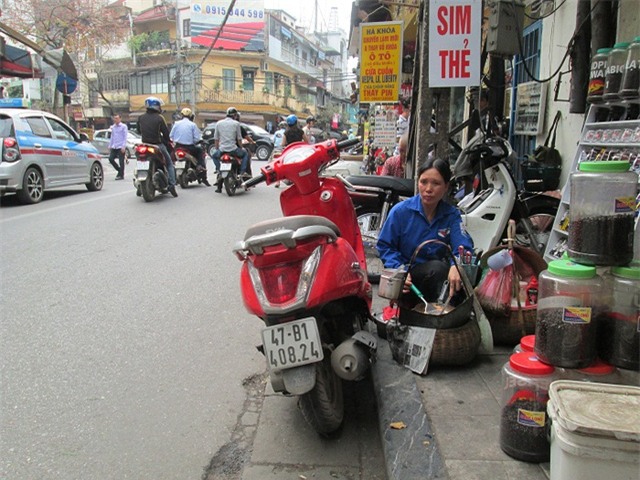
{"x":252,"y":182}
{"x":348,"y":143}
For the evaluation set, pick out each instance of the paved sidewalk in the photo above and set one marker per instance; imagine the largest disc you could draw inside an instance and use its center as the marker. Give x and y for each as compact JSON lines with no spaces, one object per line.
{"x":452,"y":418}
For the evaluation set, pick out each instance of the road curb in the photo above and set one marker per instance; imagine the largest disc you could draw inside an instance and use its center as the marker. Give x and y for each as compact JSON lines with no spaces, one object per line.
{"x":411,"y":452}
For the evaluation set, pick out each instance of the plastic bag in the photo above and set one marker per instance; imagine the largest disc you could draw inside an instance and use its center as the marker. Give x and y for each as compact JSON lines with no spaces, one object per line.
{"x":494,"y":291}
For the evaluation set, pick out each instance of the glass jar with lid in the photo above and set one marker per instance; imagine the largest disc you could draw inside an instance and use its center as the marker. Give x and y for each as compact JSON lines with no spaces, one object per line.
{"x":603,"y":204}
{"x":568,"y":304}
{"x":630,"y":83}
{"x":597,"y":75}
{"x":619,"y":325}
{"x":615,"y":69}
{"x":523,"y":420}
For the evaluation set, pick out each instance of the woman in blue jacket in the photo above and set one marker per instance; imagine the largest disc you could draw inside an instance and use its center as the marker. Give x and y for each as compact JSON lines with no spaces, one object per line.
{"x":426,"y":216}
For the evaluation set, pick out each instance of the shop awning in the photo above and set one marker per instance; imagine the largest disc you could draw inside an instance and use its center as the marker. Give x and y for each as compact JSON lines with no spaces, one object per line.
{"x":16,"y":62}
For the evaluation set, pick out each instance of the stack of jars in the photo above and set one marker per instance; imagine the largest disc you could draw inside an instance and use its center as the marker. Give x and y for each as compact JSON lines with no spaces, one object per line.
{"x":615,"y":78}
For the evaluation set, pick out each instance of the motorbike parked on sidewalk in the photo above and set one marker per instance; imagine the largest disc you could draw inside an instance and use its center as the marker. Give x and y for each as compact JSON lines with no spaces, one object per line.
{"x":150,"y":175}
{"x":304,"y":275}
{"x":187,"y":168}
{"x":229,"y":174}
{"x":485,"y":213}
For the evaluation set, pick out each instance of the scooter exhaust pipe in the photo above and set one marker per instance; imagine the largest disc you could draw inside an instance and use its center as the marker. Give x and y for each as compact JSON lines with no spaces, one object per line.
{"x":352,"y":358}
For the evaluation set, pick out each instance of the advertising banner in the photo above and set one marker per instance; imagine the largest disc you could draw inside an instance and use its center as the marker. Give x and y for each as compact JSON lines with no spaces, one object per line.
{"x":454,"y":43}
{"x":245,"y":27}
{"x":380,"y":55}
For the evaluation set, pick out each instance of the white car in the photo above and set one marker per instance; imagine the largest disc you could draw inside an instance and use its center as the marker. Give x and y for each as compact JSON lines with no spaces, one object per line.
{"x":39,"y":152}
{"x":101,"y":140}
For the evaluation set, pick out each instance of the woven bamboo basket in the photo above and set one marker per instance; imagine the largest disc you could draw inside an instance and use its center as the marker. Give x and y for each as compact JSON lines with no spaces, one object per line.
{"x":456,"y":346}
{"x":508,"y":330}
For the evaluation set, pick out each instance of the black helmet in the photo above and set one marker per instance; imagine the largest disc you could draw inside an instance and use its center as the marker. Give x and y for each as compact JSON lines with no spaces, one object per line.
{"x":232,"y":112}
{"x":311,"y":119}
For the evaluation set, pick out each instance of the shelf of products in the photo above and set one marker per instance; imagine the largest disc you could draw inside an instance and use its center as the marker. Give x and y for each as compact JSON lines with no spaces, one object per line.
{"x":599,"y":141}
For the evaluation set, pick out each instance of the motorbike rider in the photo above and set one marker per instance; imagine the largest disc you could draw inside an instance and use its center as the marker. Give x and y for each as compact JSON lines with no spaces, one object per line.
{"x":228,"y":139}
{"x":279,"y":135}
{"x":293,"y":133}
{"x":185,"y":134}
{"x":245,"y":136}
{"x":311,"y":121}
{"x":153,"y":129}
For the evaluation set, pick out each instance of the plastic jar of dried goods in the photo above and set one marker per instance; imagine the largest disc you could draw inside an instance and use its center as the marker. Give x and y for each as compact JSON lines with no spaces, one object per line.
{"x":523,"y":420}
{"x":526,"y":344}
{"x":631,"y":76}
{"x":597,"y":75}
{"x":568,"y":304}
{"x":619,"y":324}
{"x":615,"y":69}
{"x":603,"y":203}
{"x":598,"y":371}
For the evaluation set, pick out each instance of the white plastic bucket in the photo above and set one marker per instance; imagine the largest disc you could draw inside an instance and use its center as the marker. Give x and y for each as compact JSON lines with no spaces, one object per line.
{"x":595,"y":431}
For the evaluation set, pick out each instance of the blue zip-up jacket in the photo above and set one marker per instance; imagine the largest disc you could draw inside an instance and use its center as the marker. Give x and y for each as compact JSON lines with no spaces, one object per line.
{"x":407,"y":227}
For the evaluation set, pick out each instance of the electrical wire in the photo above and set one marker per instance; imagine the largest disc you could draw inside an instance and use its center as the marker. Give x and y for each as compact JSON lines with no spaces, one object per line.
{"x":569,"y":46}
{"x":548,"y":14}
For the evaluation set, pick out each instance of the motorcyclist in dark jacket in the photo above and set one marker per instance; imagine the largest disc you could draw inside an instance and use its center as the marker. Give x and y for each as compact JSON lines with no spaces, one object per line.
{"x":153,"y":129}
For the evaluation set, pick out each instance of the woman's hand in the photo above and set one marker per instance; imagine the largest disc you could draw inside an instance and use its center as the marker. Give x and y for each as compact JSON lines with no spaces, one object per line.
{"x":407,"y":284}
{"x":455,"y":282}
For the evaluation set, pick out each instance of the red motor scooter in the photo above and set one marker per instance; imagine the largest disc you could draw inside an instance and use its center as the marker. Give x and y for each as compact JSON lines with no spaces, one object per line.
{"x":305,"y":276}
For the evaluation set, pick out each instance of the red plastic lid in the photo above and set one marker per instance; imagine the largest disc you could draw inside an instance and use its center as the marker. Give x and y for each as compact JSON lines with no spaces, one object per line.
{"x":527,"y":343}
{"x":598,"y":368}
{"x":528,"y":362}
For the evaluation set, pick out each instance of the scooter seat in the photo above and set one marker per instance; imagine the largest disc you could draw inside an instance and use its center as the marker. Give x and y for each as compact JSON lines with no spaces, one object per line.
{"x":402,"y":186}
{"x":290,"y":223}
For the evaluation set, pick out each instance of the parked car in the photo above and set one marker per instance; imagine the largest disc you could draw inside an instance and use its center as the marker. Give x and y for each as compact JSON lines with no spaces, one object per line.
{"x":101,"y":140}
{"x":264,"y":140}
{"x":40,"y":152}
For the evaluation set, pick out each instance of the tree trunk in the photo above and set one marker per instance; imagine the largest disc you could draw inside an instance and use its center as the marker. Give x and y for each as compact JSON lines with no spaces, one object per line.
{"x":580,"y":56}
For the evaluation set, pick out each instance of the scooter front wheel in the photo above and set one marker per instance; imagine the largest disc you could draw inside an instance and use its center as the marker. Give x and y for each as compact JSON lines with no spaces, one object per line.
{"x":369,"y":224}
{"x":323,"y":406}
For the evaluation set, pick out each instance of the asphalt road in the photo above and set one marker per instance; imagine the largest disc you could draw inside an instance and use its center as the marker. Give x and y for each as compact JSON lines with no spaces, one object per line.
{"x":126,"y":351}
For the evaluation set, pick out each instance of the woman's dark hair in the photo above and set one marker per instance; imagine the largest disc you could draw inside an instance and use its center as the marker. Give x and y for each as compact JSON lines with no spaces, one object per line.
{"x":442,"y":166}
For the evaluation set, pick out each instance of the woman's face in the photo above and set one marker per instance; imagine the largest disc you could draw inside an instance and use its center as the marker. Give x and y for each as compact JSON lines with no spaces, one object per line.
{"x":431,"y":187}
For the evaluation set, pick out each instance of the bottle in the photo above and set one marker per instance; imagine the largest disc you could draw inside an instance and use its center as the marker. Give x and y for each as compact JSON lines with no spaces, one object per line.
{"x":597,"y":75}
{"x":631,"y":76}
{"x":615,"y":69}
{"x":523,"y":420}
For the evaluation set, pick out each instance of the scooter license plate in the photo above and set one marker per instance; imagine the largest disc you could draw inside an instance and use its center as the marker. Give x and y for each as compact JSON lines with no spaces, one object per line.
{"x":292,"y":344}
{"x":180,"y":164}
{"x":225,"y":167}
{"x":142,"y":165}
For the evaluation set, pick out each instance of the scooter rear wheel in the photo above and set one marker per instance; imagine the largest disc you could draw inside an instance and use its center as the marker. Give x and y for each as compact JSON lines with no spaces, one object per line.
{"x":230,"y":184}
{"x":147,"y":187}
{"x":183,"y":179}
{"x":323,"y":406}
{"x":369,"y":224}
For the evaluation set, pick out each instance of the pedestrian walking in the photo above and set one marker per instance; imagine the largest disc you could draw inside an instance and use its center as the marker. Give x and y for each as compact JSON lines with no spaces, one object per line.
{"x":118,"y":145}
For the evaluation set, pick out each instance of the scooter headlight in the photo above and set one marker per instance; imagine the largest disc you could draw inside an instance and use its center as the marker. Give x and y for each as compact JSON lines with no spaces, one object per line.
{"x":286,"y":286}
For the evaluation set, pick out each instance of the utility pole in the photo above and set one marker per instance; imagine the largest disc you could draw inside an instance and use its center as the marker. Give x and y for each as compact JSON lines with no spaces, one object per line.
{"x":178,"y":77}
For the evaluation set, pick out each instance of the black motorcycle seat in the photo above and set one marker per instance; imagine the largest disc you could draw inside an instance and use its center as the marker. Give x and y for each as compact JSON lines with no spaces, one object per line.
{"x":402,"y":186}
{"x":289,"y":223}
